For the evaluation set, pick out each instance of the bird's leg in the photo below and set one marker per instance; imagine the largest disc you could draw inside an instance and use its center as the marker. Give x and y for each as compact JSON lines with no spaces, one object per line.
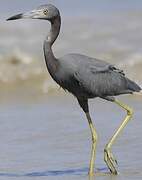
{"x":94,"y":142}
{"x":84,"y":105}
{"x":108,"y":156}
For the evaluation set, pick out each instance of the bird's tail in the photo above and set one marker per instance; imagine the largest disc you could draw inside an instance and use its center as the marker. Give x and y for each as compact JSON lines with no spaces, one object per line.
{"x":133,"y":86}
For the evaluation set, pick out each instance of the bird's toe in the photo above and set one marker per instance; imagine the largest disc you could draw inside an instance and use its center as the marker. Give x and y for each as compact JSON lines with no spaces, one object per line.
{"x":110,"y":161}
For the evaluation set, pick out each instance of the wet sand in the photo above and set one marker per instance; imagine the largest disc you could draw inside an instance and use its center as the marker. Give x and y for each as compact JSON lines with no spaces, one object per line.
{"x":49,"y":138}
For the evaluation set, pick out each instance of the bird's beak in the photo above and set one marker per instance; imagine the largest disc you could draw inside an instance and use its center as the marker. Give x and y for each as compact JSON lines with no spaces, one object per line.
{"x":30,"y":15}
{"x":18,"y":16}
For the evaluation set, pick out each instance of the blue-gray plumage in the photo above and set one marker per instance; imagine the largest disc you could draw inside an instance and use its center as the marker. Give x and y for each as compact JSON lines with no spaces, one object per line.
{"x":84,"y":77}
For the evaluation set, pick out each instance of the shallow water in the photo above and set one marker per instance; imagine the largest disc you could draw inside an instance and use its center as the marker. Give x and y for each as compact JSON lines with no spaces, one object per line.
{"x":50,"y":139}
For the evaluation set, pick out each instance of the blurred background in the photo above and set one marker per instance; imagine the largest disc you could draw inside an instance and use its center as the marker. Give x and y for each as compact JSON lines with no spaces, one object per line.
{"x":105,"y":29}
{"x":43,"y":131}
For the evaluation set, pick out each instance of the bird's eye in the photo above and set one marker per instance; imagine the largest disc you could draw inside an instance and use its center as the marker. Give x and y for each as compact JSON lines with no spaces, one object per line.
{"x":45,"y":12}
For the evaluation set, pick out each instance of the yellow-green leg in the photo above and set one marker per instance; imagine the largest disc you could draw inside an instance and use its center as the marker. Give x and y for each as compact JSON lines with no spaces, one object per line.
{"x":94,"y":143}
{"x":108,"y":156}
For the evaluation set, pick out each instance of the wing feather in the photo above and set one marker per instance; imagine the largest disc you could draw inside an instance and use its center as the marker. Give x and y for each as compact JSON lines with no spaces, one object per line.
{"x":94,"y":76}
{"x":106,"y":80}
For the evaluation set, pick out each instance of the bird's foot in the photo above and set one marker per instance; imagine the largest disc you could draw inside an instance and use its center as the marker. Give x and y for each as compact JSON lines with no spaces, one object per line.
{"x":91,"y":173}
{"x":110,"y":161}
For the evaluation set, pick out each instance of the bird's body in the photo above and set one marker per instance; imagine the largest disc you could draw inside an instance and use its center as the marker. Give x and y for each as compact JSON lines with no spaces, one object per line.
{"x":84,"y":77}
{"x":87,"y":77}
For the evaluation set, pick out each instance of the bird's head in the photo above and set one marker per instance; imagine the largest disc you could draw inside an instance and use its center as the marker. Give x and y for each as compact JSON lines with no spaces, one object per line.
{"x":45,"y":12}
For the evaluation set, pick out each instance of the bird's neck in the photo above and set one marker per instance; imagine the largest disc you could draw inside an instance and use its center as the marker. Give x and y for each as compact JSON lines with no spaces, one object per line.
{"x":54,"y":31}
{"x":50,"y":59}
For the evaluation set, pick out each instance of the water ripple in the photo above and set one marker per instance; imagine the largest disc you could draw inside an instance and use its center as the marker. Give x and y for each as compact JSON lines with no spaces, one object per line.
{"x":48,"y":173}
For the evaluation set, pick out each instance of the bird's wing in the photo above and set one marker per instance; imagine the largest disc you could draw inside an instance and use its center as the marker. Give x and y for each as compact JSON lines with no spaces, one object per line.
{"x":104,"y":82}
{"x":97,"y":76}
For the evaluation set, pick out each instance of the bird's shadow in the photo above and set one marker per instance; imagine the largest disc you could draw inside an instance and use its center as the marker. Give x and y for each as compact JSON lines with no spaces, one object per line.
{"x":81,"y":171}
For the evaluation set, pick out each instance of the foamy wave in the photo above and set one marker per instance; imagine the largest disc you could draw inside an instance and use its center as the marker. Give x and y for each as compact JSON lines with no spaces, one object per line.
{"x":133,"y":67}
{"x":21,"y":67}
{"x":18,"y":66}
{"x":132,"y":61}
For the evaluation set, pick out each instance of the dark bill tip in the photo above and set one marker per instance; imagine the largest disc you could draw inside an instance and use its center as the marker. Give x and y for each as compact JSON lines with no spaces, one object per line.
{"x":18,"y":16}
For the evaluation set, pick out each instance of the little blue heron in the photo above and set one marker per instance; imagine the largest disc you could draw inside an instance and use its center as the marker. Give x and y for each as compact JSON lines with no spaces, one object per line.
{"x":85,"y":78}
